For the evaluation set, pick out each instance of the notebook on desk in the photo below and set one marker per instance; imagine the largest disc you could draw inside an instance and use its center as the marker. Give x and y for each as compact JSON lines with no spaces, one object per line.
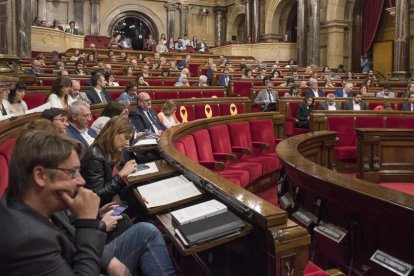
{"x":210,"y":228}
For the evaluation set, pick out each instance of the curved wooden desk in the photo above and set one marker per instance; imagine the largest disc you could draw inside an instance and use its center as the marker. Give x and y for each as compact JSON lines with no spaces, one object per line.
{"x":372,"y":217}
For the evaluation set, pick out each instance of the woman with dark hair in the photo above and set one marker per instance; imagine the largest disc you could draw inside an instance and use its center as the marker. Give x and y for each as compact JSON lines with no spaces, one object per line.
{"x":141,"y":81}
{"x":248,"y":74}
{"x":276,"y":74}
{"x":110,"y":79}
{"x":104,"y":157}
{"x":293,"y":91}
{"x":58,"y":117}
{"x":15,"y":99}
{"x":112,"y":109}
{"x":131,"y":92}
{"x":303,"y":112}
{"x":58,"y":96}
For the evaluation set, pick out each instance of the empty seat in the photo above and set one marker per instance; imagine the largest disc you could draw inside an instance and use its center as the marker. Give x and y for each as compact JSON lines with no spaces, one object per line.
{"x":346,"y":146}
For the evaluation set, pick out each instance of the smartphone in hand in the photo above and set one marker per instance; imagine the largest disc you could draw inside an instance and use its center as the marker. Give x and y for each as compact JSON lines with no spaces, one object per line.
{"x":119,"y":210}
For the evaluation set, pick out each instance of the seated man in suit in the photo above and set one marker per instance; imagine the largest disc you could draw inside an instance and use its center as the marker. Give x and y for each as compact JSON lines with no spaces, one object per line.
{"x":330,"y":103}
{"x":79,"y":118}
{"x":202,"y":81}
{"x":346,"y":91}
{"x":313,"y":90}
{"x":386,"y":92}
{"x":267,"y":98}
{"x":98,"y":93}
{"x":225,"y":79}
{"x":409,"y":106}
{"x":75,"y":94}
{"x":144,"y":118}
{"x":184,"y":63}
{"x":356,"y":103}
{"x":39,"y":238}
{"x":72,"y":29}
{"x":35,"y":68}
{"x":202,"y":46}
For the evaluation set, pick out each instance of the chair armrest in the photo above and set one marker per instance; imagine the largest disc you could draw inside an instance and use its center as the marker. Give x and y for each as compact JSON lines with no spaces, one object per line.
{"x":224,"y":156}
{"x":215,"y":165}
{"x":242,"y":150}
{"x":261,"y":145}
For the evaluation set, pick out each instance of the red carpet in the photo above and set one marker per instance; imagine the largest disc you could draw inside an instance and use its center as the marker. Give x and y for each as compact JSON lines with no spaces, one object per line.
{"x":405,"y":187}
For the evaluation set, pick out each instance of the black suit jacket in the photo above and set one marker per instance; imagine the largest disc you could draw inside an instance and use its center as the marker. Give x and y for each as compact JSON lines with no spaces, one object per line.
{"x":406,"y":107}
{"x":309,"y":93}
{"x":94,"y":97}
{"x":302,"y":115}
{"x":349,"y":105}
{"x":141,"y":121}
{"x":74,"y":133}
{"x":32,"y":245}
{"x":222,"y":80}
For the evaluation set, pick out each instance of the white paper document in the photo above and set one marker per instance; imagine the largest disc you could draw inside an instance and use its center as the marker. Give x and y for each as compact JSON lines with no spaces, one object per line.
{"x":145,"y":142}
{"x":40,"y":108}
{"x":198,"y":211}
{"x":168,"y":191}
{"x":152,"y":168}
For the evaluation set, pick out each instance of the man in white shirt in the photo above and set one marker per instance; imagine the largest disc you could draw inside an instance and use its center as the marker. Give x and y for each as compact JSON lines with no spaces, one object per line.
{"x":186,"y":41}
{"x":75,"y":94}
{"x":356,"y":103}
{"x":330,"y":103}
{"x":386,"y":92}
{"x":79,"y":118}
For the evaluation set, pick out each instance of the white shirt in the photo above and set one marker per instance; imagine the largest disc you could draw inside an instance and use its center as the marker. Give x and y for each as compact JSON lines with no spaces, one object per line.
{"x":152,"y":124}
{"x":331,"y":107}
{"x":357,"y":106}
{"x":315,"y":93}
{"x":100,"y":94}
{"x":54,"y":101}
{"x":167,"y":121}
{"x":99,"y":123}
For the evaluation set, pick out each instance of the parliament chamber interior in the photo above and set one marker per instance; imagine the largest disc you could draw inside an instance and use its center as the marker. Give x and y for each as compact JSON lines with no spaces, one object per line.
{"x":296,"y":117}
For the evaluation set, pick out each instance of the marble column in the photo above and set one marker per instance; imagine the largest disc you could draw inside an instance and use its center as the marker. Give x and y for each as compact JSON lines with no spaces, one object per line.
{"x":219,"y":24}
{"x":335,"y":32}
{"x":79,"y":14}
{"x":314,"y":22}
{"x":41,"y":9}
{"x":255,"y":21}
{"x":171,"y":7}
{"x":248,"y":21}
{"x":4,"y":27}
{"x":301,"y":34}
{"x":401,"y":40}
{"x":23,"y":23}
{"x":95,"y":17}
{"x":184,"y":19}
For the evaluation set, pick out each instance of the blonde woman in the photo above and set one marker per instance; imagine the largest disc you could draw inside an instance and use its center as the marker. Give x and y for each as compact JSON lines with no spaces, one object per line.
{"x":167,"y":115}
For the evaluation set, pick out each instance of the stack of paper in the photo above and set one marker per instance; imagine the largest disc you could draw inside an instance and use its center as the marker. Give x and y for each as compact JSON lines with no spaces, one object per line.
{"x":198,"y":212}
{"x":168,"y":191}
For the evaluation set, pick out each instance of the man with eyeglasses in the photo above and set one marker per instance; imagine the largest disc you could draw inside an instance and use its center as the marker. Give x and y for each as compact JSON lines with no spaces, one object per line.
{"x":39,"y":239}
{"x":75,"y":94}
{"x":79,"y":118}
{"x":144,"y":117}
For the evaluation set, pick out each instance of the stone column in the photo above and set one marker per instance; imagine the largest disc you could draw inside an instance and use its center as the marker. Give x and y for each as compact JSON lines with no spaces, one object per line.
{"x":335,"y":31}
{"x":41,"y":9}
{"x":255,"y":21}
{"x":219,"y":24}
{"x":248,"y":21}
{"x":79,"y":15}
{"x":4,"y":30}
{"x":23,"y":23}
{"x":401,"y":40}
{"x":171,"y":7}
{"x":94,"y":17}
{"x":314,"y":18}
{"x":301,"y":34}
{"x":184,"y":19}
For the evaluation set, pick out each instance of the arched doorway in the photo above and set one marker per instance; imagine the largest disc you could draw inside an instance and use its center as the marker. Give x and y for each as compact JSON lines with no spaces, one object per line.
{"x":135,"y":26}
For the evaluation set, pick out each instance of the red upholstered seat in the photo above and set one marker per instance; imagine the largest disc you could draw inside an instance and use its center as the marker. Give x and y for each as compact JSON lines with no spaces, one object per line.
{"x":407,"y":188}
{"x":34,"y":99}
{"x":218,"y":94}
{"x":186,"y":113}
{"x":190,"y":94}
{"x":290,"y":128}
{"x":4,"y":175}
{"x":242,"y":88}
{"x":207,"y":110}
{"x":400,"y":122}
{"x":240,"y":137}
{"x":166,"y":95}
{"x":262,"y":131}
{"x":115,"y":94}
{"x":169,"y":83}
{"x":205,"y":154}
{"x":369,"y":122}
{"x":345,"y":126}
{"x":154,"y":82}
{"x":313,"y":270}
{"x":231,"y":108}
{"x":220,"y":142}
{"x":7,"y":147}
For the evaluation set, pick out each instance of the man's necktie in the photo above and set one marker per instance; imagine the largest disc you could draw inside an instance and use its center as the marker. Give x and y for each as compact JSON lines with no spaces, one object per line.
{"x":3,"y":110}
{"x":269,"y":95}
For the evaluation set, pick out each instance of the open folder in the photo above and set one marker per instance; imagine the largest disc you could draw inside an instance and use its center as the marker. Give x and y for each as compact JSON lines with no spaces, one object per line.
{"x":168,"y":191}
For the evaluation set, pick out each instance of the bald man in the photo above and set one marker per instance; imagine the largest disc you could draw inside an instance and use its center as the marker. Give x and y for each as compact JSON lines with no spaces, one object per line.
{"x":144,"y":117}
{"x":36,"y":68}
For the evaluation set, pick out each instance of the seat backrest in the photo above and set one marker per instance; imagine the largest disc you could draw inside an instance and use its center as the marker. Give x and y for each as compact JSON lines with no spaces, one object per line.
{"x":262,"y":131}
{"x":345,"y":126}
{"x":203,"y":145}
{"x":369,"y":122}
{"x":7,"y":147}
{"x":400,"y":122}
{"x":220,"y":139}
{"x":231,"y":108}
{"x":34,"y":99}
{"x":240,"y":134}
{"x":186,"y":113}
{"x":190,"y":147}
{"x":207,"y":110}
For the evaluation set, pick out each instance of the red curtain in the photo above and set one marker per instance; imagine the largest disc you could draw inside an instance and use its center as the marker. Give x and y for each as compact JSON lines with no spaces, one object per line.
{"x":370,"y":20}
